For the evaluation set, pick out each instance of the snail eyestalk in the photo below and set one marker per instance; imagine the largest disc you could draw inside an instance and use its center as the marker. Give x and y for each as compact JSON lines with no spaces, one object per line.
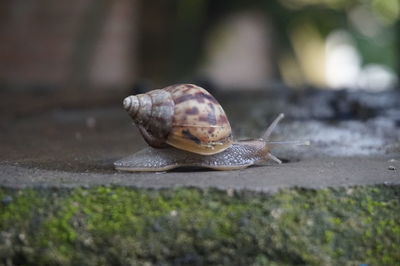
{"x":271,"y":127}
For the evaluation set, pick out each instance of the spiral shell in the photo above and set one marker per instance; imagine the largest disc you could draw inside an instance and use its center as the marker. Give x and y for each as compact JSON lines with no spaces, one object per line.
{"x":184,"y":116}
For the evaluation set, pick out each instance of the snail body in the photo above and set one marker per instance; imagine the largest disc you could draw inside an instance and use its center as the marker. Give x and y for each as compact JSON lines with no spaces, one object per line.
{"x":186,"y":127}
{"x":239,"y":155}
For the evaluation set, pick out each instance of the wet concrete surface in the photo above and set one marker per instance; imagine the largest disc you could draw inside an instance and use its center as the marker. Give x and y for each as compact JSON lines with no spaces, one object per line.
{"x":357,"y":142}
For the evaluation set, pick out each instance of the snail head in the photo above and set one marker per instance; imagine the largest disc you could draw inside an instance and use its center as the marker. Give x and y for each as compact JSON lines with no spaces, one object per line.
{"x":270,"y":144}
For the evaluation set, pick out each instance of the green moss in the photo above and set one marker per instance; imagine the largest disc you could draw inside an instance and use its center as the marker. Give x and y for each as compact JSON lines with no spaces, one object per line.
{"x":123,"y":226}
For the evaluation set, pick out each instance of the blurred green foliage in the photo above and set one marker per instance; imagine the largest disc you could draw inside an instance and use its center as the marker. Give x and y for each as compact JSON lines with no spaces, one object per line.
{"x":195,"y":19}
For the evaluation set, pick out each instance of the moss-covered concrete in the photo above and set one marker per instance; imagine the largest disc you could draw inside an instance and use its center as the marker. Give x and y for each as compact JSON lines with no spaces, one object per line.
{"x":127,"y":226}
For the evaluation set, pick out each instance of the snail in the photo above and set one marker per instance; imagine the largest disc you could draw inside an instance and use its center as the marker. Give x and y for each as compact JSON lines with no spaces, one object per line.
{"x":184,"y":125}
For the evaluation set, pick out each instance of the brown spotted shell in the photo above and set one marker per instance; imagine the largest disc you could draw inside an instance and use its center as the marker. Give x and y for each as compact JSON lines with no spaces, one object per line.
{"x":184,"y":116}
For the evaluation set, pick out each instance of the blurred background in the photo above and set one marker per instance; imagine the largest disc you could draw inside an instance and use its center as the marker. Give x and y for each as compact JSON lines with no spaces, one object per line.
{"x":332,"y":66}
{"x":70,"y":47}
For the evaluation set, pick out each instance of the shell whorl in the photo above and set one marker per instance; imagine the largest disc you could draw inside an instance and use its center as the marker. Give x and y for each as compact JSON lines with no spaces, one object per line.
{"x":137,"y":104}
{"x":152,"y":112}
{"x":131,"y":105}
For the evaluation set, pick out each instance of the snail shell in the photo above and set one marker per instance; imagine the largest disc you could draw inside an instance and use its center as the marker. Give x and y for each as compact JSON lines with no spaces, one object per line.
{"x":184,"y":116}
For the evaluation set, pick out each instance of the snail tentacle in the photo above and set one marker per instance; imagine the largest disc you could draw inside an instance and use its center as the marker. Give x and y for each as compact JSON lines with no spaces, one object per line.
{"x":272,"y":126}
{"x":274,"y":158}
